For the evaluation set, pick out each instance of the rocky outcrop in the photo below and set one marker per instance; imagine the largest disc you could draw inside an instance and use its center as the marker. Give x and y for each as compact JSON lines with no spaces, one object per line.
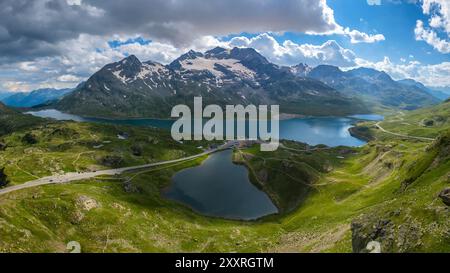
{"x":445,"y":196}
{"x":364,"y":232}
{"x":385,"y":231}
{"x":129,"y":187}
{"x":86,"y":203}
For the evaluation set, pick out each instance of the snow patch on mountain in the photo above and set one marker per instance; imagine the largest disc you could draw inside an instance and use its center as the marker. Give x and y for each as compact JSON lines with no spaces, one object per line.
{"x":121,"y":78}
{"x":216,"y":67}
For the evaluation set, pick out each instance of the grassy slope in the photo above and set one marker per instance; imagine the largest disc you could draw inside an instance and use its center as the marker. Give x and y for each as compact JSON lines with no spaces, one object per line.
{"x":390,"y":185}
{"x":11,"y":120}
{"x":426,"y":122}
{"x":71,"y":147}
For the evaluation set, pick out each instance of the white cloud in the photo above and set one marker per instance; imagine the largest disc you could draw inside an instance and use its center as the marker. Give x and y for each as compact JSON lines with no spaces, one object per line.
{"x":374,"y":2}
{"x":28,"y":66}
{"x":430,"y":37}
{"x":290,"y":53}
{"x":361,"y":37}
{"x":14,"y":86}
{"x":68,"y":78}
{"x":82,"y":57}
{"x":30,"y":29}
{"x":439,"y":23}
{"x":433,"y":75}
{"x":440,"y":13}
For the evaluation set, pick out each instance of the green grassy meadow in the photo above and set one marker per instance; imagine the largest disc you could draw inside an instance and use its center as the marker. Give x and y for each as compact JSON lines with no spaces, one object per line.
{"x":331,"y":200}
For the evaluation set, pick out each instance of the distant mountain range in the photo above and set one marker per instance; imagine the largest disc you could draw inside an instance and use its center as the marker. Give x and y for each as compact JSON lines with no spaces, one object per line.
{"x":33,"y":98}
{"x":131,"y":88}
{"x":5,"y":94}
{"x":375,"y":87}
{"x":441,"y":95}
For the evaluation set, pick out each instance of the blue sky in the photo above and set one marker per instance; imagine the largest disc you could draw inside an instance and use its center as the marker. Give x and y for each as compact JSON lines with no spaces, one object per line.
{"x":43,"y":47}
{"x":395,"y":21}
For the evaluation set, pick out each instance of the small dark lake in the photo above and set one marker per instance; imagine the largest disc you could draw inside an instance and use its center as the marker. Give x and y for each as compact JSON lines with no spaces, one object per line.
{"x":220,"y":188}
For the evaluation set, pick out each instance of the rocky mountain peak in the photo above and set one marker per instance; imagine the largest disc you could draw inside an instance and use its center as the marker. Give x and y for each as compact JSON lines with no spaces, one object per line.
{"x":325,"y":71}
{"x":191,"y":54}
{"x":300,"y":70}
{"x":129,"y":66}
{"x":248,"y":55}
{"x":218,"y":52}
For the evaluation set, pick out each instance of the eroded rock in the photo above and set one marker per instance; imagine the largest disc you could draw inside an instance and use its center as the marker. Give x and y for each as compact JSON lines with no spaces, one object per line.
{"x":445,"y":196}
{"x":87,"y":203}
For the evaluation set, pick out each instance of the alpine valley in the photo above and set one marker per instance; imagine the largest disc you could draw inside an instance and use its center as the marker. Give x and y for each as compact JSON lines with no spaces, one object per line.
{"x":121,"y":185}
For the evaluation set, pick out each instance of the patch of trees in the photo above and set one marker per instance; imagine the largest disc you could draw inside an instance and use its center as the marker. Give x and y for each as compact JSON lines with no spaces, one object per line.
{"x":137,"y":149}
{"x":112,"y":161}
{"x":29,"y":138}
{"x":4,"y":181}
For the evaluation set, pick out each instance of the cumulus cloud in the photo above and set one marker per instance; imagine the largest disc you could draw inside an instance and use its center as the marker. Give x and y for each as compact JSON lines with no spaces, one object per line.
{"x":290,"y":53}
{"x":433,"y":75}
{"x":54,"y":43}
{"x":430,"y":37}
{"x":86,"y":54}
{"x":361,"y":37}
{"x":31,"y":28}
{"x":83,"y":56}
{"x":439,"y":23}
{"x":440,"y":13}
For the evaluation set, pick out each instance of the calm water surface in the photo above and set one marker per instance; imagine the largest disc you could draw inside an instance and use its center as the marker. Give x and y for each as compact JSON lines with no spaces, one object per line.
{"x":220,"y":188}
{"x":331,"y":131}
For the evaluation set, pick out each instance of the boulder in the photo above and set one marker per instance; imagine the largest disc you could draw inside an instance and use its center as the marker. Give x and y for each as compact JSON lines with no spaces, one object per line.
{"x":445,"y":196}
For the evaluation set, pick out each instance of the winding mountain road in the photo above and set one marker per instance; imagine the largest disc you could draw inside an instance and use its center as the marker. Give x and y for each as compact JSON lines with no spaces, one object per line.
{"x":70,"y":177}
{"x":401,"y":135}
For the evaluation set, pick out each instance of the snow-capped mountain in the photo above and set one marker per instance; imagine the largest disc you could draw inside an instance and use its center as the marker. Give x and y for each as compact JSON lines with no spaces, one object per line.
{"x":131,"y":88}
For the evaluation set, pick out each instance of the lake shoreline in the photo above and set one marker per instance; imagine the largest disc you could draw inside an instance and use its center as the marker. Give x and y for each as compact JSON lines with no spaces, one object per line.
{"x":331,"y":131}
{"x":220,"y":188}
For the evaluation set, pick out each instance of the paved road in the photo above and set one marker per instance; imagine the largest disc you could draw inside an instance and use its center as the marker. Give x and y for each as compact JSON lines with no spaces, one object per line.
{"x":69,"y":177}
{"x":400,"y":135}
{"x":305,"y":150}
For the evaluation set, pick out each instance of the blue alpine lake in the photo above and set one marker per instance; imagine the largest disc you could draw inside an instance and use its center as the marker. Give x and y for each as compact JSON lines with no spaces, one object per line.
{"x":331,"y":131}
{"x":220,"y":188}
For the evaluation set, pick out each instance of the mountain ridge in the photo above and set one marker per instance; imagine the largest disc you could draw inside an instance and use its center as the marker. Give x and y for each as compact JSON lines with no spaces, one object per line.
{"x":375,"y":86}
{"x":35,"y":97}
{"x":131,"y":88}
